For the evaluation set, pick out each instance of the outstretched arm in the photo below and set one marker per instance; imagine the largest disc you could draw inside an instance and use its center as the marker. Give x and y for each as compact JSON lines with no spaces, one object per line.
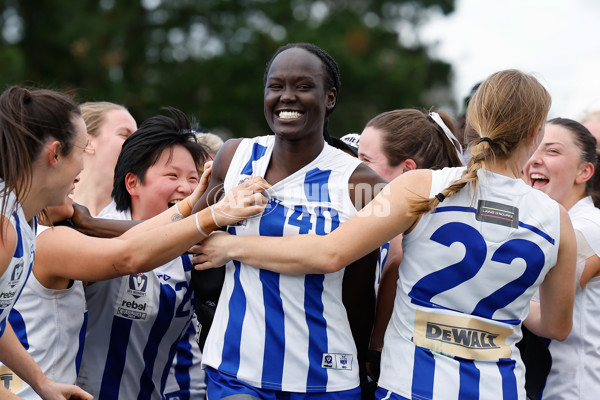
{"x":66,"y":253}
{"x":382,"y":219}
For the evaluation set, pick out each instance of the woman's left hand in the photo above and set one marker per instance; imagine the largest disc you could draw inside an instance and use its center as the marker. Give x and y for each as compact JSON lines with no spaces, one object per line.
{"x":212,"y":252}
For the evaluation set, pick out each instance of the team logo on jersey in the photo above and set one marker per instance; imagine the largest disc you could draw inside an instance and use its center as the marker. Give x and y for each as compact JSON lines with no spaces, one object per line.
{"x":17,"y":272}
{"x":337,"y":361}
{"x":138,"y":285}
{"x":10,"y":380}
{"x":464,"y":337}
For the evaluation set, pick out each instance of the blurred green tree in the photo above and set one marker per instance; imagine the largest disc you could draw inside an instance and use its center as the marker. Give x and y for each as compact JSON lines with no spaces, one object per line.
{"x":208,"y":57}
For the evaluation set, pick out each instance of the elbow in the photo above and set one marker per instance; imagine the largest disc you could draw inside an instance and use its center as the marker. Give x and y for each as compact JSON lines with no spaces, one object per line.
{"x":562,"y":331}
{"x":128,"y":265}
{"x":331,"y":262}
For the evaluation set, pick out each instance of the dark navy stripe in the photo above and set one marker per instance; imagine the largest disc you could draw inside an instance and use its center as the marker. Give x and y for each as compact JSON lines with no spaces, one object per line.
{"x":316,"y":185}
{"x":473,"y":210}
{"x":115,"y":360}
{"x":317,"y":332}
{"x":258,"y":151}
{"x":509,"y":380}
{"x":272,"y":374}
{"x":18,"y":324}
{"x":454,"y":208}
{"x":19,"y":249}
{"x":230,"y":359}
{"x":469,"y":380}
{"x":81,"y":342}
{"x":538,"y":231}
{"x":423,"y":372}
{"x":164,"y":317}
{"x":182,"y":352}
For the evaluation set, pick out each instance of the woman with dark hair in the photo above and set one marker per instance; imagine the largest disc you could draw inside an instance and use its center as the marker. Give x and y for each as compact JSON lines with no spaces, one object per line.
{"x":276,"y":334}
{"x":42,"y":137}
{"x":565,"y":168}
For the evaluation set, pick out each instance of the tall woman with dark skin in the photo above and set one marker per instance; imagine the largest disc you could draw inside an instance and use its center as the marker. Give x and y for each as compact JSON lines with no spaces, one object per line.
{"x":478,"y":242}
{"x":275,"y":333}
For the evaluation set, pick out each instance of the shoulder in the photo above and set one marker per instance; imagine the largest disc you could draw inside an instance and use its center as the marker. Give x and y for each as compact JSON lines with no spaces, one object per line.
{"x":9,"y":243}
{"x":224,"y":157}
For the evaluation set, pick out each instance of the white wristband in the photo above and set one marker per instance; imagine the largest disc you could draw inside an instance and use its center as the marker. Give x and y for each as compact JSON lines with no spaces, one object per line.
{"x":214,"y":217}
{"x":199,"y":227}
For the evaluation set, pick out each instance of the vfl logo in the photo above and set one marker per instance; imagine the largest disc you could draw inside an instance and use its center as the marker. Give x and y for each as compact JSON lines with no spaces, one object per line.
{"x":16,"y":274}
{"x":138,"y":285}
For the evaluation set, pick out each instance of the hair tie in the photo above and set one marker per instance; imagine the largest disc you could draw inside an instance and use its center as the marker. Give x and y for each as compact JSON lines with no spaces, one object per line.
{"x":438,"y":120}
{"x":440,"y":197}
{"x":486,"y":139}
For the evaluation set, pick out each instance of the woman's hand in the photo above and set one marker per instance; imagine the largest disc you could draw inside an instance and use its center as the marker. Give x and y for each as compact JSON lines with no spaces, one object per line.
{"x":241,"y":202}
{"x":212,"y":252}
{"x":202,"y":184}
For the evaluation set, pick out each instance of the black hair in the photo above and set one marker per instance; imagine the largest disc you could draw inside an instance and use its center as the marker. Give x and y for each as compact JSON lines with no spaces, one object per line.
{"x":332,"y":75}
{"x":144,"y":147}
{"x":587,"y":144}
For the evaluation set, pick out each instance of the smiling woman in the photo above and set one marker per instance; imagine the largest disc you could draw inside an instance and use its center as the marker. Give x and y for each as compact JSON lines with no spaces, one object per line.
{"x":565,"y":168}
{"x":284,"y":333}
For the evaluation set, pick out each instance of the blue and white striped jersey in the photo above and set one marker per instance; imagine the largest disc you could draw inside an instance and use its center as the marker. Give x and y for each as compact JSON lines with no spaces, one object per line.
{"x":135,"y":324}
{"x":13,"y":279}
{"x":468,"y":272}
{"x":284,"y":332}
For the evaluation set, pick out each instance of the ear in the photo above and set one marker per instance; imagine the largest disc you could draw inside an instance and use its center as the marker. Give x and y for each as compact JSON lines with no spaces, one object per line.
{"x":585,"y":173}
{"x":331,"y":99}
{"x":52,"y":151}
{"x":90,"y":149}
{"x":408,"y":165}
{"x":132,"y":184}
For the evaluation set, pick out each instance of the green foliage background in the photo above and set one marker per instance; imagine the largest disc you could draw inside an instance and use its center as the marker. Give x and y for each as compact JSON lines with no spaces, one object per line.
{"x":207,"y":57}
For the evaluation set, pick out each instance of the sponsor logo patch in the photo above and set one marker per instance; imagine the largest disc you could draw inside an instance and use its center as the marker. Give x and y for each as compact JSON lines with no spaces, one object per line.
{"x":497,"y":213}
{"x":464,"y":337}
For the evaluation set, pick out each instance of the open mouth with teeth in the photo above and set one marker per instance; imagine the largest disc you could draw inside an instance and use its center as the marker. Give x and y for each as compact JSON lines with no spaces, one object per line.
{"x":538,"y":181}
{"x":289,"y":114}
{"x":173,"y":202}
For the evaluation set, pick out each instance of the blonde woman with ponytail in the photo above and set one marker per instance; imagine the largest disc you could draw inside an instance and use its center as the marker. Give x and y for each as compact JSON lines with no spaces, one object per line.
{"x":478,"y":243}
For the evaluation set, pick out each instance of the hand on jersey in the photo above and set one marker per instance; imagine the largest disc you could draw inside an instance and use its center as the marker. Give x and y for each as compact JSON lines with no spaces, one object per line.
{"x":212,"y":252}
{"x":241,"y":202}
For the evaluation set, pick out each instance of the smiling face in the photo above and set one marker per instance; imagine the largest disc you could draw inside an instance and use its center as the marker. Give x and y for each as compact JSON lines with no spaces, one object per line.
{"x":370,"y":151}
{"x":295,"y":98}
{"x":556,"y":167}
{"x":171,"y":179}
{"x":70,"y":165}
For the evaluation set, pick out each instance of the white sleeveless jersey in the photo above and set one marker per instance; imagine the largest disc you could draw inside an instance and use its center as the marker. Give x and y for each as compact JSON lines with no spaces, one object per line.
{"x":575,"y":372}
{"x":51,"y":326}
{"x":135,"y":323}
{"x":284,"y":332}
{"x":468,"y":272}
{"x":13,"y":279}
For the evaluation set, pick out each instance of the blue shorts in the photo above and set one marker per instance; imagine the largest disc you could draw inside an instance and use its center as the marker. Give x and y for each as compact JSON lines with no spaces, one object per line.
{"x":221,"y":386}
{"x":384,"y":394}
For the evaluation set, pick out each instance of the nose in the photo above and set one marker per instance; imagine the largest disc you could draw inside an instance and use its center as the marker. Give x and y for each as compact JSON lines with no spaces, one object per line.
{"x":288,"y":95}
{"x":77,"y":179}
{"x":185,"y":187}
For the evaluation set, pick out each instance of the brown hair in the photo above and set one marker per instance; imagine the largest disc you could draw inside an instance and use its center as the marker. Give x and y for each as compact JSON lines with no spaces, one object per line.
{"x":28,"y":120}
{"x":506,"y":109}
{"x":411,"y":133}
{"x":93,"y":113}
